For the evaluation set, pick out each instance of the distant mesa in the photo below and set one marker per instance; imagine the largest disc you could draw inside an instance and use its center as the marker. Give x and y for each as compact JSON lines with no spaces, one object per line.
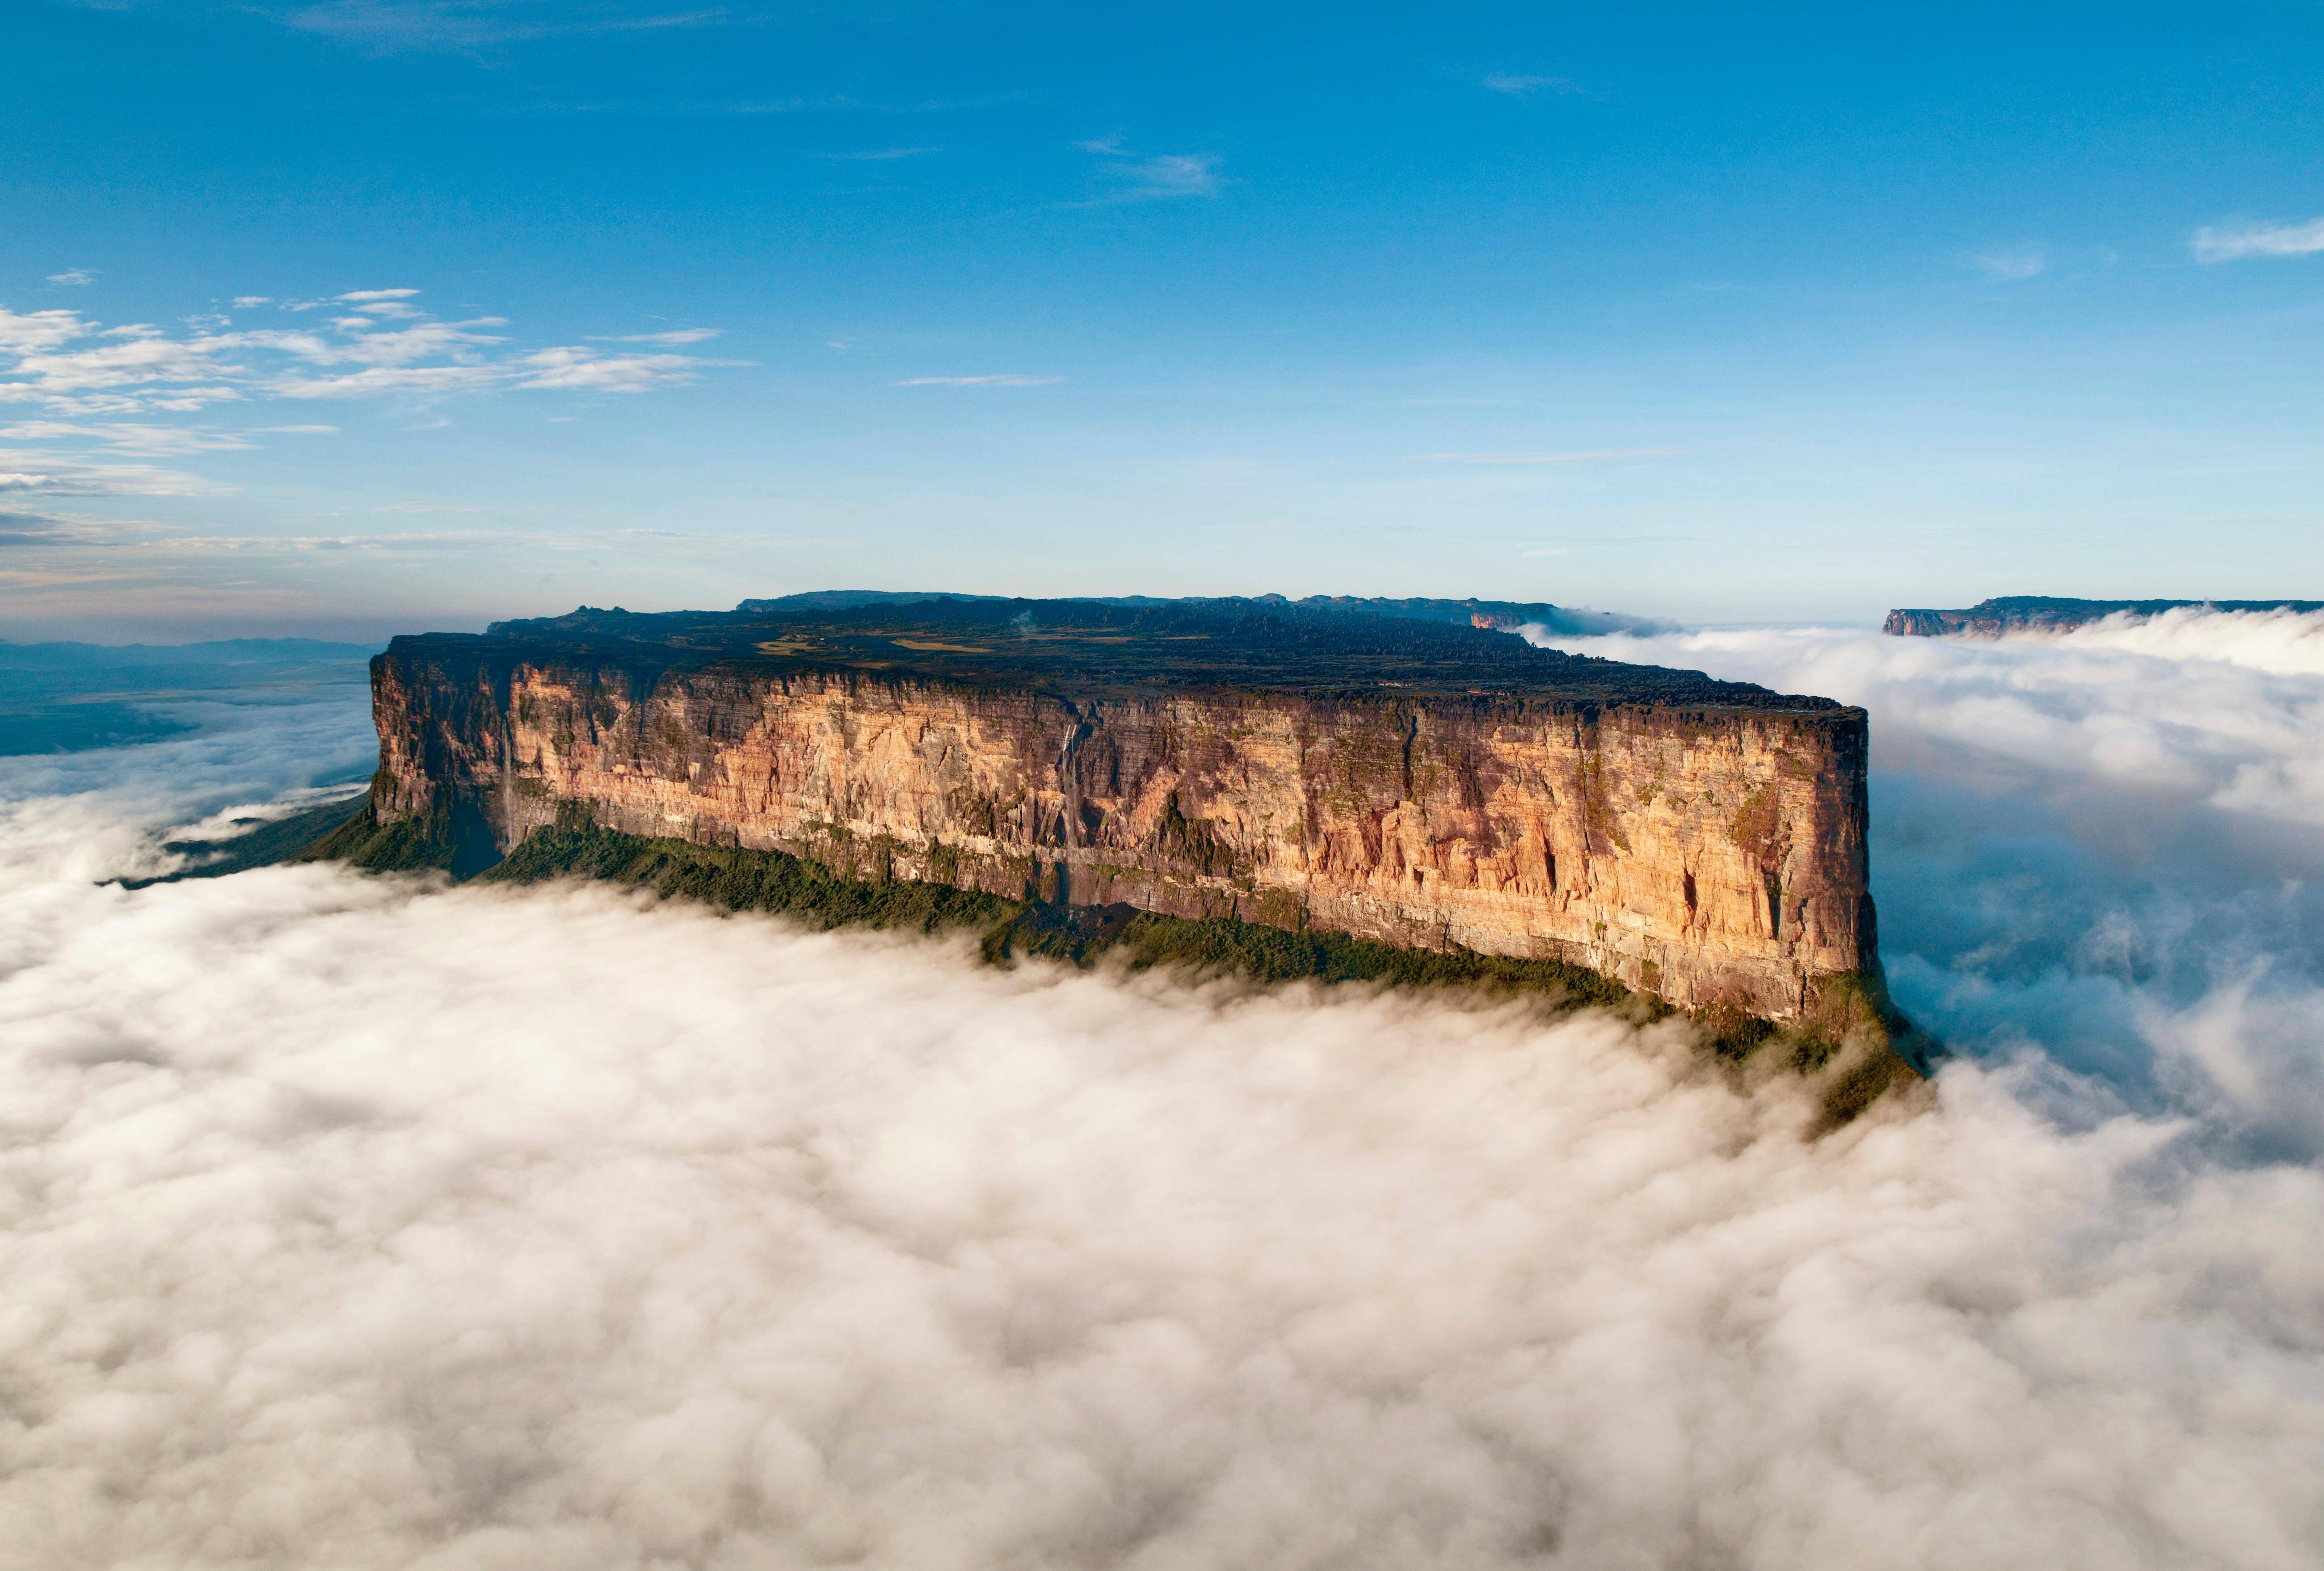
{"x":2043,"y":613}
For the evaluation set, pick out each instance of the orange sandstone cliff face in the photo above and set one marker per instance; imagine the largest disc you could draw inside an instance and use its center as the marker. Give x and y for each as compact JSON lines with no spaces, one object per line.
{"x":1706,"y":854}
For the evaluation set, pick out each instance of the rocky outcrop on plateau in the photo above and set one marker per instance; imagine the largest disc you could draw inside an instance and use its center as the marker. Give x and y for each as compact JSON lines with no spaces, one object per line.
{"x":1418,"y":782}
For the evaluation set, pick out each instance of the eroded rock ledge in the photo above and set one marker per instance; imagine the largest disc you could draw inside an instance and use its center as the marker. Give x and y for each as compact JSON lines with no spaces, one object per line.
{"x":1426,"y":785}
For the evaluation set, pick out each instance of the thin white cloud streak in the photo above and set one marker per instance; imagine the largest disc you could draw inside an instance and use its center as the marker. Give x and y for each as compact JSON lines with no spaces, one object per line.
{"x":2010,"y":267}
{"x":879,"y":155}
{"x":74,"y":277}
{"x":674,"y":336}
{"x":1599,"y":455}
{"x":587,"y":371}
{"x":460,"y":26}
{"x":979,"y":381}
{"x":1518,"y":86}
{"x":2233,"y":245}
{"x":381,"y":381}
{"x":33,"y":470}
{"x":164,"y":441}
{"x":1192,"y":174}
{"x":1149,"y":177}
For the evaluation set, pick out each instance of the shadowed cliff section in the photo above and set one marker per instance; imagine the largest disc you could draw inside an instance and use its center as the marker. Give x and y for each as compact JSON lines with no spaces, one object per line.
{"x":2042,"y":613}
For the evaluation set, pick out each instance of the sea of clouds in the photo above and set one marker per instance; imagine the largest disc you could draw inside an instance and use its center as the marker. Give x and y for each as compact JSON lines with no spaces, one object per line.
{"x":355,"y":1221}
{"x":2099,"y":848}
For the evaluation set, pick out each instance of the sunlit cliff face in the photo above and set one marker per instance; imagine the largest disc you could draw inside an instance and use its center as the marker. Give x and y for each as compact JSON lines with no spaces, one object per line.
{"x":353,"y":1219}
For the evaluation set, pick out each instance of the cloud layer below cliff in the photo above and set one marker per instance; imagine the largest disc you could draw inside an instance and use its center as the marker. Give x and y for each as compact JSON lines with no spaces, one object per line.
{"x":2099,"y":847}
{"x":355,"y":1221}
{"x":104,"y":814}
{"x":350,"y":1222}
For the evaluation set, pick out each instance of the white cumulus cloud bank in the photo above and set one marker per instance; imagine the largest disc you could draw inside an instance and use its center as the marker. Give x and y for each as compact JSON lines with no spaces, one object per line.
{"x":355,"y":1221}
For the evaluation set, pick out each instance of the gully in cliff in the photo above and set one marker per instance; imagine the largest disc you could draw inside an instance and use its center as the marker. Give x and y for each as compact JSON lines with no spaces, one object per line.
{"x":1314,"y":784}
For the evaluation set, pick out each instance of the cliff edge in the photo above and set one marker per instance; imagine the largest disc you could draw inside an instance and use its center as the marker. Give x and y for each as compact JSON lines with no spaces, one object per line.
{"x":1417,"y":783}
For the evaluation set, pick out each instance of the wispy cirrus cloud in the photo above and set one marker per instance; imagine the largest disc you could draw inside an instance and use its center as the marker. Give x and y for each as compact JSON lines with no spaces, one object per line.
{"x":1594,"y":455}
{"x":2241,"y":241}
{"x":382,"y":381}
{"x":72,"y":278}
{"x":576,"y":369}
{"x":1140,"y":178}
{"x":878,"y":155}
{"x":122,"y":436}
{"x":22,"y":526}
{"x":1519,"y":84}
{"x":1003,"y":380}
{"x":465,"y":26}
{"x":2010,"y":265}
{"x":38,"y":472}
{"x":676,"y":335}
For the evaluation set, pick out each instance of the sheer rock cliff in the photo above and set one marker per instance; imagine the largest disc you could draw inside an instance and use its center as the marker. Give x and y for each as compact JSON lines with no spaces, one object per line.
{"x":1427,"y":785}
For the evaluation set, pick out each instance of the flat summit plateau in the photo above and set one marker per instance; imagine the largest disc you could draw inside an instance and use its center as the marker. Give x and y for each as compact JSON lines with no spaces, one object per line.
{"x":1102,"y":648}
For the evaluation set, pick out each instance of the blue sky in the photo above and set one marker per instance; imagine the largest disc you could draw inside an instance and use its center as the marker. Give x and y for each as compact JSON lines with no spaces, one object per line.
{"x":360,"y":316}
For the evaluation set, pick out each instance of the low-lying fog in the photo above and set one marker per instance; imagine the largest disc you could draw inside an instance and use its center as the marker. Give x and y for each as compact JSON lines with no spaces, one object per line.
{"x":353,"y":1221}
